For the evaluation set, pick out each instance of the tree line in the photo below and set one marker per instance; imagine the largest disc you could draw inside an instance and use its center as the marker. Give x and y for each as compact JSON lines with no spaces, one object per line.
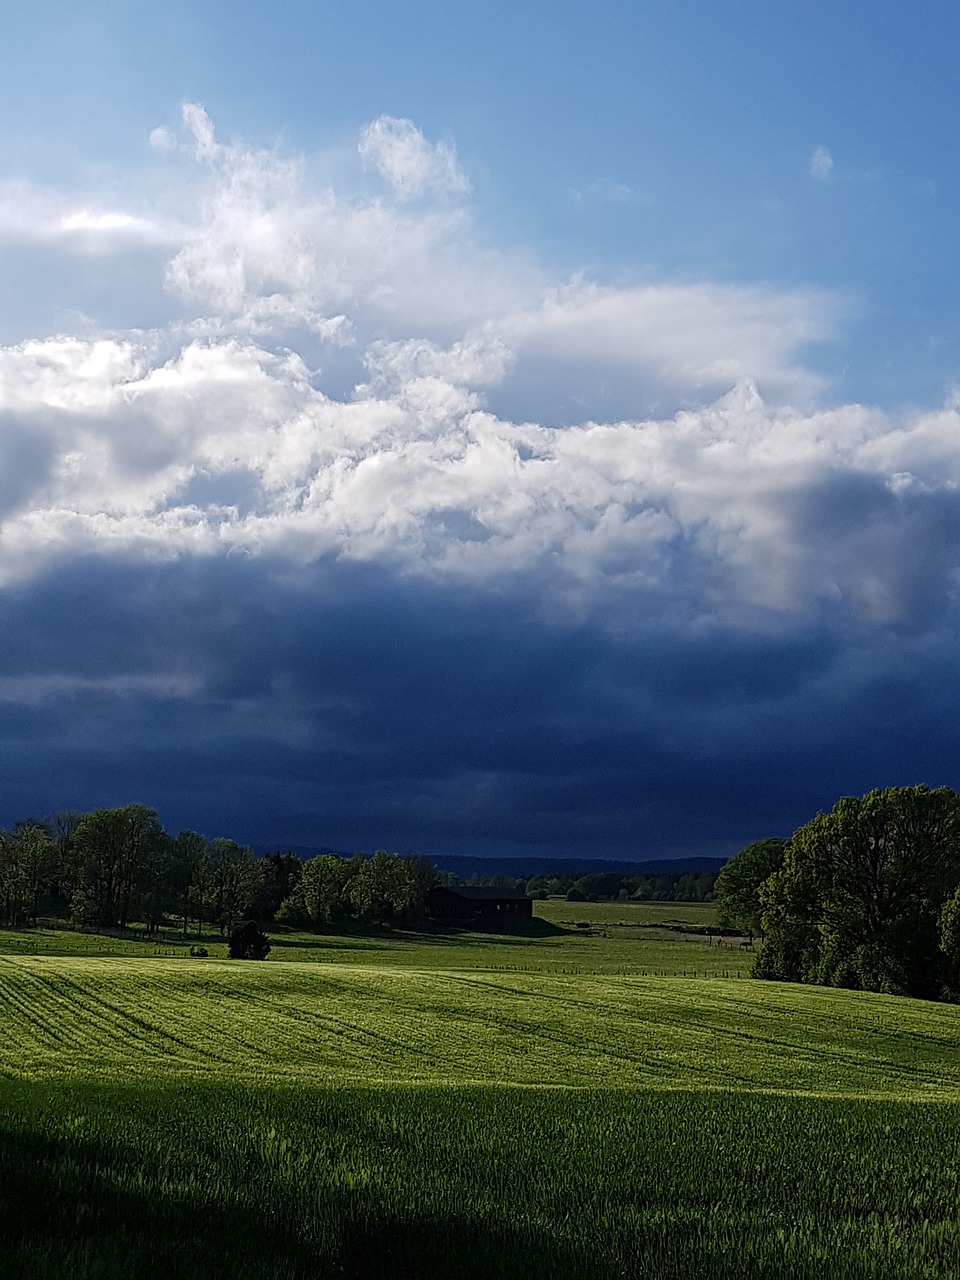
{"x":866,"y":896}
{"x":112,"y":867}
{"x":109,"y":868}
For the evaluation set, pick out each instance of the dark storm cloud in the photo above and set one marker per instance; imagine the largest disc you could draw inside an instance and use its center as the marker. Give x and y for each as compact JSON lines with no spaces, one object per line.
{"x":347,"y":706}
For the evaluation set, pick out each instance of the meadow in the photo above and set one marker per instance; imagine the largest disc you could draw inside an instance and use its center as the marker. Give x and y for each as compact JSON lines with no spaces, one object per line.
{"x":573,"y":1102}
{"x":606,"y":941}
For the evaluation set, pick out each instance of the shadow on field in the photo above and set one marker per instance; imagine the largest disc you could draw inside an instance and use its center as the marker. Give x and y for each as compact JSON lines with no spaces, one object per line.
{"x":78,"y":1209}
{"x":222,"y":1182}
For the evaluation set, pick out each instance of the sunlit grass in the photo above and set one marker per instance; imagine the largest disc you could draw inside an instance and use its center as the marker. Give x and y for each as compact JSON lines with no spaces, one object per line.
{"x":696,"y":915}
{"x":108,"y":1019}
{"x":637,"y":938}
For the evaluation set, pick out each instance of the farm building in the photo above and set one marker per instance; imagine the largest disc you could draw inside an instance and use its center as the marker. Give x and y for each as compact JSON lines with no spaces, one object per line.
{"x":464,"y":903}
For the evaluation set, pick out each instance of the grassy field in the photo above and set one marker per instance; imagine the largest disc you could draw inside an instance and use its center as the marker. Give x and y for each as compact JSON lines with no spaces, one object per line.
{"x":637,"y":938}
{"x":225,"y":1181}
{"x":415,"y":1105}
{"x":94,"y":1018}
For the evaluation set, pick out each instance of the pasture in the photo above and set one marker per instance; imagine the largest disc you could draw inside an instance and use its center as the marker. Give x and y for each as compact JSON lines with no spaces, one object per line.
{"x":565,"y":1103}
{"x":640,"y":938}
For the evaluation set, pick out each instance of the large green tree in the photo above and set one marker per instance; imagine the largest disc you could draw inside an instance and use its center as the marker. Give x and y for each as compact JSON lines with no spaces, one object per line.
{"x":237,"y":877}
{"x":187,"y":855}
{"x":737,"y":888}
{"x":110,"y":860}
{"x":382,"y":888}
{"x":859,"y":897}
{"x":319,"y":896}
{"x":39,"y":860}
{"x":950,"y":945}
{"x":423,"y":876}
{"x":13,"y":888}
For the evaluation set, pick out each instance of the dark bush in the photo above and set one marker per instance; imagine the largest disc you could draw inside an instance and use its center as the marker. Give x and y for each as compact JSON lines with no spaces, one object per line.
{"x":247,"y":942}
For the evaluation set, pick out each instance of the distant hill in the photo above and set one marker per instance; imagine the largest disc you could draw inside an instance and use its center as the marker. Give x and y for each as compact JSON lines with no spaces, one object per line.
{"x":523,"y":868}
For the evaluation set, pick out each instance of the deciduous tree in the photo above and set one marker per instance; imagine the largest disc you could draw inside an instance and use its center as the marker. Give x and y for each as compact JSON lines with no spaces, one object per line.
{"x":237,"y":877}
{"x":188,"y":851}
{"x":423,"y":876}
{"x":38,"y":858}
{"x":737,"y":888}
{"x":108,"y":853}
{"x":382,"y":887}
{"x":858,"y":899}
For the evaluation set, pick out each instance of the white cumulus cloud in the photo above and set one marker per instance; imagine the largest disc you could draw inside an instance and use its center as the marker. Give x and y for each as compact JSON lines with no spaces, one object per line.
{"x":223,"y":431}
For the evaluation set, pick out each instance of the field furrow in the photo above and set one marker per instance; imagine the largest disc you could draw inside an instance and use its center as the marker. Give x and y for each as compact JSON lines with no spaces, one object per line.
{"x":112,"y":1018}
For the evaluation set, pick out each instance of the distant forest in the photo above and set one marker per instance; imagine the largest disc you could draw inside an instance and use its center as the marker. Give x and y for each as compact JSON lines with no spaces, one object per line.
{"x":110,"y":868}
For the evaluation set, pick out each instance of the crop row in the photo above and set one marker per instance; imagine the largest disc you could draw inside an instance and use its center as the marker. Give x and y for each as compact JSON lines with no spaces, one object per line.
{"x":113,"y":1019}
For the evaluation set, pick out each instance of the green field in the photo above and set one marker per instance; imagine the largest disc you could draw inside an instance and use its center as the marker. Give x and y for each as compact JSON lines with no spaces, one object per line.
{"x":566,"y":1103}
{"x":93,"y":1018}
{"x":640,"y":938}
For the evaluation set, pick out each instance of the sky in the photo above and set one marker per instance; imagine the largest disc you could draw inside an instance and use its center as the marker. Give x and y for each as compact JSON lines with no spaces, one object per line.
{"x":493,"y":430}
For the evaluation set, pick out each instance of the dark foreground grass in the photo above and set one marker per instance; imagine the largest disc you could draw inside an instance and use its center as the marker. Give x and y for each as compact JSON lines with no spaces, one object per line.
{"x":223,"y":1180}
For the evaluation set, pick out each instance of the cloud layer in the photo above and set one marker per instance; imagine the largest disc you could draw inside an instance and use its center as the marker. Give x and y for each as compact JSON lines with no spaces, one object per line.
{"x":614,"y":542}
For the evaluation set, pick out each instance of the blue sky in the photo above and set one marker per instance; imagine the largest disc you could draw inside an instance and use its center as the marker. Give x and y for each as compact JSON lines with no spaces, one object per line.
{"x":519,"y":430}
